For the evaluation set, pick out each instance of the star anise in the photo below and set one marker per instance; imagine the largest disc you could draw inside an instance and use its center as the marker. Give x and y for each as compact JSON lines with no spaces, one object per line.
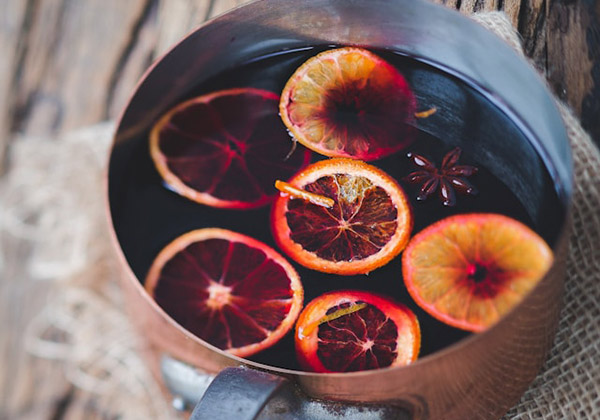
{"x":447,"y":179}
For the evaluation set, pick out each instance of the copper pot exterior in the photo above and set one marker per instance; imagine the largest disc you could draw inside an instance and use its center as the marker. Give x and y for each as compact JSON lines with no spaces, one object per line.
{"x":481,"y":376}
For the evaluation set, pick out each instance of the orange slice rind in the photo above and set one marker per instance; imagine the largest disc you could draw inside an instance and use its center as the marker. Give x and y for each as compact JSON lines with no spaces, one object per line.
{"x":228,"y":289}
{"x":225,"y":149}
{"x":351,"y":330}
{"x":369,"y":224}
{"x":349,"y":102}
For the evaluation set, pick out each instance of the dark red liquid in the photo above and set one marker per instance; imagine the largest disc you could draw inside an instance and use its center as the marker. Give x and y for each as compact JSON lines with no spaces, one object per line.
{"x":512,"y":180}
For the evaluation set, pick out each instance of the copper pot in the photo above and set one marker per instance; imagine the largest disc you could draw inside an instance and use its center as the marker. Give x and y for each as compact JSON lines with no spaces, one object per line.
{"x":484,"y":374}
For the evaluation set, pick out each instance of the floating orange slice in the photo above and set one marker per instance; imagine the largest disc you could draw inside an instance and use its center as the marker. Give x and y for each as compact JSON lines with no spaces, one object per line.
{"x":469,"y":270}
{"x":349,"y":102}
{"x":347,"y":331}
{"x":368,"y":224}
{"x":230,"y":290}
{"x":225,"y":149}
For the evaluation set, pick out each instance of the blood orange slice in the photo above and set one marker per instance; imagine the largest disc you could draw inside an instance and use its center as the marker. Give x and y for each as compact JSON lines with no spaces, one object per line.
{"x":225,"y":149}
{"x":230,"y":290}
{"x":368,"y":225}
{"x":349,"y":102}
{"x":469,"y":270}
{"x":348,"y":331}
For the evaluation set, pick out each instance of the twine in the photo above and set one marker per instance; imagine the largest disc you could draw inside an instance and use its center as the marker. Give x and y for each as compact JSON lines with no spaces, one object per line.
{"x":52,"y":200}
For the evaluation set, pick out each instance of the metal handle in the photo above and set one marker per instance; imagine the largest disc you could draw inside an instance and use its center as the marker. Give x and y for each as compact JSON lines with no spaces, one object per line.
{"x":238,"y":393}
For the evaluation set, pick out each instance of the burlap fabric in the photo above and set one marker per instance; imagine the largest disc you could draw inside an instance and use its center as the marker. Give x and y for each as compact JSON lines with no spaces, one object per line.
{"x":57,"y":209}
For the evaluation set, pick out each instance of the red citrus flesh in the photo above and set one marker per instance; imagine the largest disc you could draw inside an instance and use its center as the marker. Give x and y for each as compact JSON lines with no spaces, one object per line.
{"x":225,"y":149}
{"x":349,"y":102}
{"x":228,"y":289}
{"x":471,"y":269}
{"x":347,"y":331}
{"x":368,"y":225}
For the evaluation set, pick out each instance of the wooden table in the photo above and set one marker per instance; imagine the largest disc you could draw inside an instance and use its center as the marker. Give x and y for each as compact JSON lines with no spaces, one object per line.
{"x":67,"y":64}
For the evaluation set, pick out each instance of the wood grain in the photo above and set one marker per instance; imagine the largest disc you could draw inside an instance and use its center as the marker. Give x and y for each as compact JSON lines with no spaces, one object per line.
{"x":75,"y":56}
{"x":176,"y":18}
{"x":471,"y":6}
{"x":532,"y":27}
{"x":512,"y":8}
{"x":14,"y":24}
{"x":573,"y":58}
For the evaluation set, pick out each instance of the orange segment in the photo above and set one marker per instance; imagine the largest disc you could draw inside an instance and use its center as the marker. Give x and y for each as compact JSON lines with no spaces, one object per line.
{"x":440,"y":252}
{"x":469,"y":270}
{"x":349,"y":102}
{"x":228,"y":289}
{"x":438,"y":281}
{"x":368,"y":225}
{"x":348,"y":330}
{"x":225,"y":149}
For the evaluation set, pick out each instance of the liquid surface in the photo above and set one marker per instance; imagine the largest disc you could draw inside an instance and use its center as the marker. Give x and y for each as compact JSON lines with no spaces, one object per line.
{"x":147,"y":215}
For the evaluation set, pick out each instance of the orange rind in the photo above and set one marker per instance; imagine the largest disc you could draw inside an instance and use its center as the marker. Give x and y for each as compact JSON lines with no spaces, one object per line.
{"x":347,"y":331}
{"x":368,"y":225}
{"x":349,"y":102}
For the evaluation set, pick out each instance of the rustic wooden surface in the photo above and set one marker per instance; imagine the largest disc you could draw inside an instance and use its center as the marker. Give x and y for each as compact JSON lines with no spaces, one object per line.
{"x":69,"y":63}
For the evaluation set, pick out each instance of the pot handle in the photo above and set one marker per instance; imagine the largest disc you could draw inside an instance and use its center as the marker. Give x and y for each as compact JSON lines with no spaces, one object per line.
{"x":238,"y":393}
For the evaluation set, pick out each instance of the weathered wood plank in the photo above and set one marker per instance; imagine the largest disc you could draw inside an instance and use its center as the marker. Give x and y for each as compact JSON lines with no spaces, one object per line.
{"x":573,"y":48}
{"x":532,"y":27}
{"x":13,"y":26}
{"x":136,"y":55}
{"x":175,"y":19}
{"x":512,"y":9}
{"x":471,"y":6}
{"x":76,"y":52}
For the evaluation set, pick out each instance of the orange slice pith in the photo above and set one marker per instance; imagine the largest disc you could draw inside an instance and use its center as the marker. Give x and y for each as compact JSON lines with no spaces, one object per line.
{"x":469,"y":270}
{"x":349,"y":102}
{"x":225,"y":149}
{"x":230,"y":290}
{"x":346,"y":331}
{"x":369,"y":224}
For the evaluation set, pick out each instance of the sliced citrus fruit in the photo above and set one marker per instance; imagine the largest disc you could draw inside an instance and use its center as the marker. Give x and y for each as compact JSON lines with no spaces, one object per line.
{"x":368,"y":225}
{"x":225,"y":149}
{"x":349,"y":102}
{"x":469,"y":270}
{"x":347,"y":331}
{"x":230,"y":290}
